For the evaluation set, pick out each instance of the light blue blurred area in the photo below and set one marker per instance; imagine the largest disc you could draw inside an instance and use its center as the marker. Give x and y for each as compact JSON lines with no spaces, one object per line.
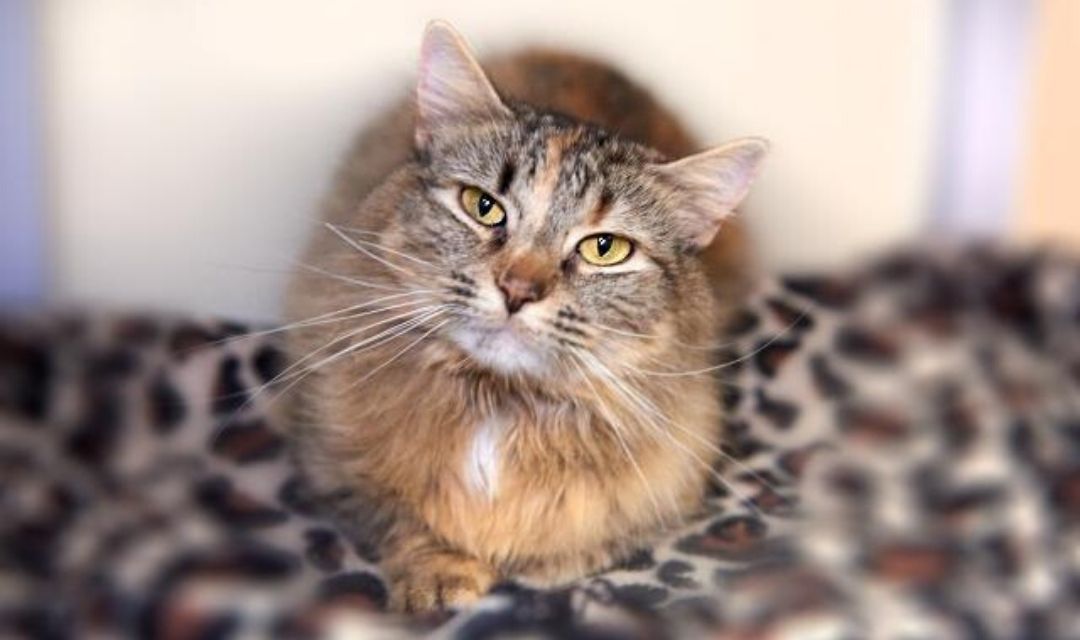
{"x":982,"y":111}
{"x":21,"y":217}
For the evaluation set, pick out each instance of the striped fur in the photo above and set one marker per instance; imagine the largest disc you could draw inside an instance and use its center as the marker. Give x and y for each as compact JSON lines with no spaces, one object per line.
{"x":593,"y":455}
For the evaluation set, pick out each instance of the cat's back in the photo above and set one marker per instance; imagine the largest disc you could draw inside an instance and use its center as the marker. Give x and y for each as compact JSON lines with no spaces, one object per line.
{"x":593,"y":91}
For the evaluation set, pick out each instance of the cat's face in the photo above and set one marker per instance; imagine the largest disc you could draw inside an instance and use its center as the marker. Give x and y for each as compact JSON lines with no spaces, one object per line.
{"x":551,"y":241}
{"x":556,"y":237}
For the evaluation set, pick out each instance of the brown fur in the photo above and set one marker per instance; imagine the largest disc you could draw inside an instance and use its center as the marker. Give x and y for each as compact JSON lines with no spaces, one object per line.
{"x":587,"y":89}
{"x":584,"y":475}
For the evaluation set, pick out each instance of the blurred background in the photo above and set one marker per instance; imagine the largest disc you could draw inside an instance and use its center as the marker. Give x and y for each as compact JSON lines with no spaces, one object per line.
{"x":162,"y":153}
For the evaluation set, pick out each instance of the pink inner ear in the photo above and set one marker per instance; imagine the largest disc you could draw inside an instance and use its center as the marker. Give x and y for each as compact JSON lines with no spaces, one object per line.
{"x":716,"y":181}
{"x":452,"y":86}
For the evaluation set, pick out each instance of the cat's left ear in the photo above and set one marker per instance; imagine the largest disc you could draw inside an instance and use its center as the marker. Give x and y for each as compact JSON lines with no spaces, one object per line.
{"x":452,"y":89}
{"x":715,"y":182}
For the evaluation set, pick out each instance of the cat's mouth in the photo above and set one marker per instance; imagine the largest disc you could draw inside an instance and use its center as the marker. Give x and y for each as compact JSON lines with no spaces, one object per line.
{"x":507,"y":348}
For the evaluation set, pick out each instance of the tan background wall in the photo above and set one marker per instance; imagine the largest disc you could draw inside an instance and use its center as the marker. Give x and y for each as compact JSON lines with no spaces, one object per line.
{"x":1050,"y":201}
{"x":188,"y":141}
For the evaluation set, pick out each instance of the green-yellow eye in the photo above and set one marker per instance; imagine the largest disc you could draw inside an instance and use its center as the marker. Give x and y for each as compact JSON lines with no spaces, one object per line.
{"x":605,"y":250}
{"x":482,"y":207}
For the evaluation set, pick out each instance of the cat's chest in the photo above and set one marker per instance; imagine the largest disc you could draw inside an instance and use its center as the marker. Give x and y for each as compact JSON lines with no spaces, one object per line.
{"x":551,"y":484}
{"x":481,"y":463}
{"x":505,"y":453}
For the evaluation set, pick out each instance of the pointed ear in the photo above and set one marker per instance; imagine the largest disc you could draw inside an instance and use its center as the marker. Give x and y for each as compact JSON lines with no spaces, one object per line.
{"x":452,"y":88}
{"x":715,"y":182}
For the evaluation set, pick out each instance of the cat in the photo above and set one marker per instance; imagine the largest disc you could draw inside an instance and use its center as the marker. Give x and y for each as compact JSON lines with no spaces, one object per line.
{"x":496,"y":333}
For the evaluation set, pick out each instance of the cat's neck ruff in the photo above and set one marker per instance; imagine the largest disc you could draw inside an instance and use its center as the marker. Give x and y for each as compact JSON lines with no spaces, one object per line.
{"x":482,"y":458}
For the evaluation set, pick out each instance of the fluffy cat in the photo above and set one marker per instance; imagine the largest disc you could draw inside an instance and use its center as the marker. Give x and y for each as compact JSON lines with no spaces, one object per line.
{"x":493,"y":331}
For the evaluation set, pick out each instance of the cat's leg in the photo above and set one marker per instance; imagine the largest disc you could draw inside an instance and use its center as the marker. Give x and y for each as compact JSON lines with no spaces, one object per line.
{"x":426,"y":574}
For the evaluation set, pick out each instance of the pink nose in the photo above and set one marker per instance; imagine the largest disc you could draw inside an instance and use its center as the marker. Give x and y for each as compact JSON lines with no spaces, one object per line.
{"x":517,"y":292}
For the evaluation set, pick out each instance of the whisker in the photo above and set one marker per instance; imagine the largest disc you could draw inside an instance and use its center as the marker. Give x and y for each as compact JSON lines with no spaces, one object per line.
{"x":295,"y":264}
{"x":382,"y":247}
{"x":328,"y":317}
{"x":711,"y":346}
{"x":425,"y":311}
{"x":724,"y":365}
{"x":402,"y":352}
{"x":355,"y":332}
{"x":615,"y":430}
{"x":649,"y":407}
{"x":291,"y":372}
{"x":347,"y":279}
{"x":722,"y":379}
{"x":356,"y":245}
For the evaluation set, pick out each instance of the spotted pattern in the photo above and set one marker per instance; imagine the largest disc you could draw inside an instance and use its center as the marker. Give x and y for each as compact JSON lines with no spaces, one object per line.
{"x":901,"y":459}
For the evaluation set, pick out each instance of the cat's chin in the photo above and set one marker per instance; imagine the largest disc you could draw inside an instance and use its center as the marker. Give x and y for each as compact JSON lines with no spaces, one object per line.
{"x":502,"y":350}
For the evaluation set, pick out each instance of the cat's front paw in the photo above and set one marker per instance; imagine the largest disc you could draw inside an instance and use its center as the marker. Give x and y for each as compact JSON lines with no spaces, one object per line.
{"x":437,"y":582}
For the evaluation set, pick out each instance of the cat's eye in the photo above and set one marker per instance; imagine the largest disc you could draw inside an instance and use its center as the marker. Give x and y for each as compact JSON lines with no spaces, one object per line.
{"x":482,"y":207}
{"x":605,"y":249}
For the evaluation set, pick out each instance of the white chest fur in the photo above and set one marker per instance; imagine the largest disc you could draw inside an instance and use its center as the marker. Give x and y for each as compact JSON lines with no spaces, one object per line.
{"x":482,"y":456}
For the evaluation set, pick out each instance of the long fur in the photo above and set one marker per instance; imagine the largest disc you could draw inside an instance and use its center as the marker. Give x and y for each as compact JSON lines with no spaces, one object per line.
{"x":584,"y":452}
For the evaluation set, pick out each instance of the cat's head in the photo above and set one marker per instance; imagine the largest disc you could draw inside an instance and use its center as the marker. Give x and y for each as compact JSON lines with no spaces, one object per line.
{"x":552,"y":240}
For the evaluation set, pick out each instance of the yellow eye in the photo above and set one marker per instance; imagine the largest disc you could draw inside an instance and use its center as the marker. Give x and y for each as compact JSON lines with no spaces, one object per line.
{"x":482,"y":207}
{"x":605,"y":250}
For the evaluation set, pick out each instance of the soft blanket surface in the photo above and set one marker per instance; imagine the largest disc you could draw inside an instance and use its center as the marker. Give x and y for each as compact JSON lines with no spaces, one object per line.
{"x":901,"y":459}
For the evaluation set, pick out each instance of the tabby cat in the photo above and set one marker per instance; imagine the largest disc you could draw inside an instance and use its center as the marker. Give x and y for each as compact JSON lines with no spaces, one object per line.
{"x":498,"y":325}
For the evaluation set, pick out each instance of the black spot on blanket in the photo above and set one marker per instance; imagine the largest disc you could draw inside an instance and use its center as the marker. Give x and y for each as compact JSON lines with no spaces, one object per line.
{"x":26,"y":373}
{"x":826,"y":380}
{"x":770,"y":355}
{"x":269,"y":362}
{"x":827,"y":292}
{"x":246,"y":442}
{"x":358,"y":589}
{"x":229,"y":394}
{"x":97,"y":433}
{"x":674,"y":573}
{"x":233,"y":507}
{"x":864,"y":345}
{"x":165,"y":404}
{"x":789,"y":316}
{"x":323,"y":549}
{"x":780,"y":413}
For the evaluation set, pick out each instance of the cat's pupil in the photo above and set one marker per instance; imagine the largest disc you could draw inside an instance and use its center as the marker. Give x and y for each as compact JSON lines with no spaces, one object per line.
{"x":484,"y":205}
{"x":603,"y":244}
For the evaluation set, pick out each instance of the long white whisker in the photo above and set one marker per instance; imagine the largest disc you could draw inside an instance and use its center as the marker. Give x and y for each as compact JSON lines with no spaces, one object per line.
{"x":402,"y":352}
{"x":356,"y":245}
{"x":295,"y":264}
{"x":712,"y":346}
{"x":705,"y":441}
{"x":354,"y":332}
{"x":348,"y":279}
{"x":616,"y":431}
{"x":367,"y":343}
{"x":729,"y":363}
{"x":645,"y":405}
{"x":290,"y":371}
{"x":330,"y":317}
{"x":425,"y":311}
{"x":381,"y":247}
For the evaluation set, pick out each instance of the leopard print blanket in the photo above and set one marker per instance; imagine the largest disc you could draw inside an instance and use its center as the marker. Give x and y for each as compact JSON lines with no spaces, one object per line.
{"x":901,"y":460}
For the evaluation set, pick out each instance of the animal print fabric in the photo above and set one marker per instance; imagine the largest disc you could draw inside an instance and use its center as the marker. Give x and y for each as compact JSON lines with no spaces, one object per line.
{"x":902,"y":460}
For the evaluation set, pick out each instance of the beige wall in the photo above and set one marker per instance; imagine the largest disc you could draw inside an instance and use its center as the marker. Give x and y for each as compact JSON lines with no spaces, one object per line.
{"x":1050,"y":200}
{"x":188,"y":141}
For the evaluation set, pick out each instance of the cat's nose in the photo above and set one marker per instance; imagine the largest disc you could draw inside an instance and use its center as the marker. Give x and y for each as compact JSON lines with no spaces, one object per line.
{"x":521,"y":286}
{"x":518,"y":292}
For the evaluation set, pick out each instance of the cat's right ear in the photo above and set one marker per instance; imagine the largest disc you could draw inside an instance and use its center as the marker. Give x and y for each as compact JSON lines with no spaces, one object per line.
{"x":452,"y":89}
{"x":714,"y":183}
